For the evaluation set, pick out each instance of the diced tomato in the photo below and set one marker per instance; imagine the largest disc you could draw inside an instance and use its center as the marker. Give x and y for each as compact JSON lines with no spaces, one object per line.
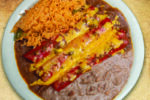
{"x":105,"y":21}
{"x":46,"y":76}
{"x":41,"y":51}
{"x":60,"y":84}
{"x":121,"y":34}
{"x":92,"y":8}
{"x":54,"y":68}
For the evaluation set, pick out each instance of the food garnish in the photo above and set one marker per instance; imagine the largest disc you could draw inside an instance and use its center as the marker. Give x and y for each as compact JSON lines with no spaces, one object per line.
{"x":18,"y":34}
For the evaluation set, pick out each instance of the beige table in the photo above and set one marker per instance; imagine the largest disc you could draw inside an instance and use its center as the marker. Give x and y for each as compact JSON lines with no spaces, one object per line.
{"x":141,"y":8}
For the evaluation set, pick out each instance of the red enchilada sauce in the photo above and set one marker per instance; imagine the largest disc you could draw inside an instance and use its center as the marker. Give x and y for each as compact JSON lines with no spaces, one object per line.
{"x":103,"y":82}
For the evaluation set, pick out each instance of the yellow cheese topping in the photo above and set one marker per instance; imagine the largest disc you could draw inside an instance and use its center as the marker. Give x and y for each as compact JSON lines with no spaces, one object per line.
{"x":81,"y":46}
{"x":83,"y":28}
{"x":99,"y":43}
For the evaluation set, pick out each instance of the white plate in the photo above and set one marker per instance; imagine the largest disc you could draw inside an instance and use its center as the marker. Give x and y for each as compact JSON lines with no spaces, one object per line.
{"x":12,"y":72}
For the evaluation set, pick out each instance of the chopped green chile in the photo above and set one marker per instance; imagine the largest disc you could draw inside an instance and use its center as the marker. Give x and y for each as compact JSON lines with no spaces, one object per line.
{"x":18,"y":34}
{"x":75,"y":11}
{"x":78,"y":10}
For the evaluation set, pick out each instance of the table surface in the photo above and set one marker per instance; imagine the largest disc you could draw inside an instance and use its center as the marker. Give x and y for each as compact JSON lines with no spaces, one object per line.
{"x":141,"y":9}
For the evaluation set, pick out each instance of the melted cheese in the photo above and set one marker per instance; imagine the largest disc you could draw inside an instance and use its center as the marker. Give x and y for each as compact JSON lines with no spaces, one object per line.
{"x":85,"y":67}
{"x":81,"y":51}
{"x":71,"y":35}
{"x":81,"y":47}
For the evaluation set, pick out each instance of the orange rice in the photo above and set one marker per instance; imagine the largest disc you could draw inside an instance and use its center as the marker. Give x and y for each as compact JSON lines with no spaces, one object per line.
{"x":48,"y":18}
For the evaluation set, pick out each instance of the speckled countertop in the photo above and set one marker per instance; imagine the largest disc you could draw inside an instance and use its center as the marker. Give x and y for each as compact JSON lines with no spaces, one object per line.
{"x":141,"y":9}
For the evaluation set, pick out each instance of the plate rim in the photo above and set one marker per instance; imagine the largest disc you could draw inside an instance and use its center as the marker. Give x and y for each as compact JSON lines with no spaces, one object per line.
{"x":30,"y":95}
